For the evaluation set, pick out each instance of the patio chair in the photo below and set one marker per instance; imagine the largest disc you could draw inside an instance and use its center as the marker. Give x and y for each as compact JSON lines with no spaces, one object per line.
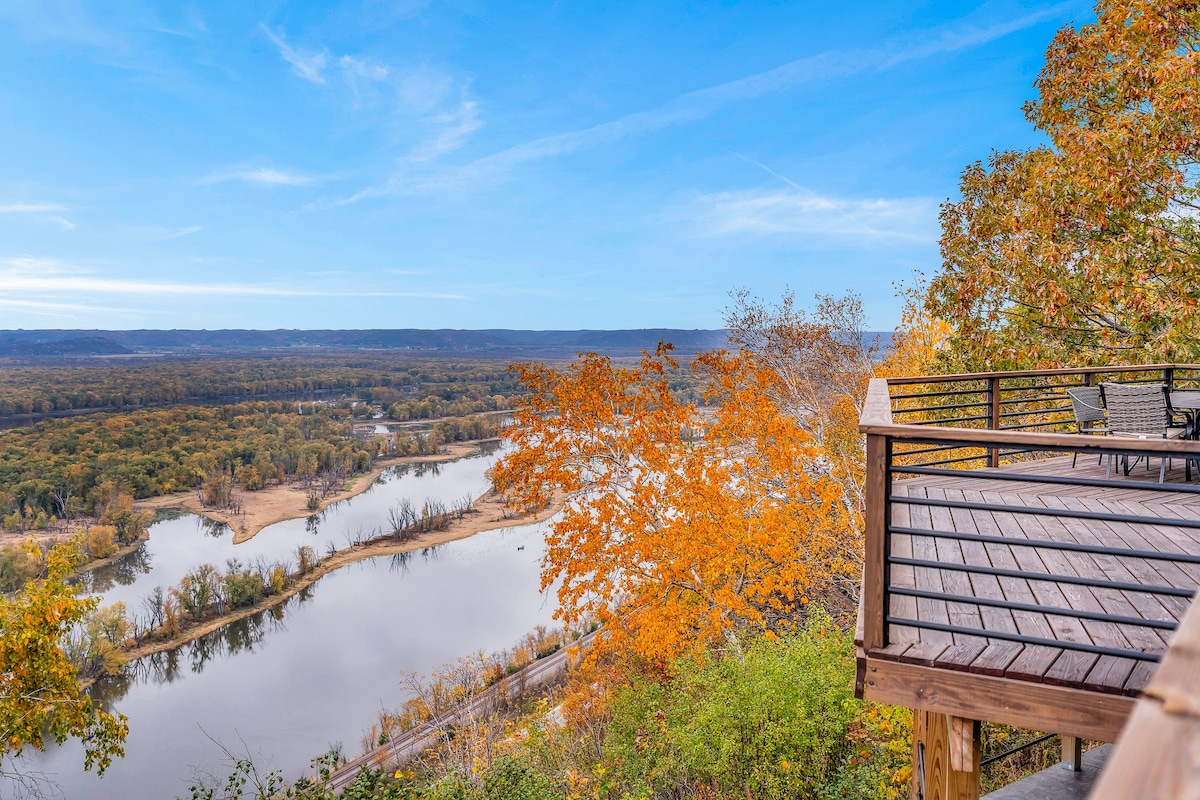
{"x":1140,"y":411}
{"x":1088,"y":405}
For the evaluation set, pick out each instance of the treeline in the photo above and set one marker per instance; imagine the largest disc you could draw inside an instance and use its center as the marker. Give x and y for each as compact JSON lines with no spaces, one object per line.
{"x":64,"y":468}
{"x":435,"y":406}
{"x":410,"y":443}
{"x":383,"y":381}
{"x":119,"y":525}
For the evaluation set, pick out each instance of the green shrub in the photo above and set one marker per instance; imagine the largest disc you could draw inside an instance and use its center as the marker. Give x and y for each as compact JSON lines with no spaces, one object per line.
{"x":772,"y":726}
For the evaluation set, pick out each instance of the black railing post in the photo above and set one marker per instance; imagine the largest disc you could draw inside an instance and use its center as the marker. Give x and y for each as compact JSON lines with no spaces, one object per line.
{"x":993,"y":418}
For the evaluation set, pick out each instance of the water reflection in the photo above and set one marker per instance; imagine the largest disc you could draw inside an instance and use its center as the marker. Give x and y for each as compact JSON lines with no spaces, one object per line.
{"x":214,"y":528}
{"x":179,"y":541}
{"x":317,"y":669}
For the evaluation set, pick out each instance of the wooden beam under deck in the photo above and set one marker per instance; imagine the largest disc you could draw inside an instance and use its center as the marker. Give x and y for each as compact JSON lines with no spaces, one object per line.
{"x":1058,"y":709}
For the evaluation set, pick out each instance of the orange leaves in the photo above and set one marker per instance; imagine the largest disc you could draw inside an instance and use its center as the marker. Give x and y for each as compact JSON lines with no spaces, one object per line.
{"x":1086,"y":251}
{"x":681,"y":526}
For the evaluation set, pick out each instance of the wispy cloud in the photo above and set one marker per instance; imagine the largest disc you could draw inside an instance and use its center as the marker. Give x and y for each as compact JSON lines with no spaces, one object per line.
{"x":44,"y":211}
{"x":41,"y":275}
{"x":30,"y":208}
{"x":702,"y":103}
{"x":167,"y":234}
{"x":429,"y":101}
{"x":265,"y":176}
{"x":54,"y":308}
{"x":451,"y":130}
{"x":799,"y":212}
{"x":309,"y":67}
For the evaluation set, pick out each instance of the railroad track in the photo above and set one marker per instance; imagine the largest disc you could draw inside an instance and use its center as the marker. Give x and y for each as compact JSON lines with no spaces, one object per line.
{"x":425,"y":736}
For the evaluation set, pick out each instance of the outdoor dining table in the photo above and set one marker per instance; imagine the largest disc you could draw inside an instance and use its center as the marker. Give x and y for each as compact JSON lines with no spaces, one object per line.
{"x":1189,"y":404}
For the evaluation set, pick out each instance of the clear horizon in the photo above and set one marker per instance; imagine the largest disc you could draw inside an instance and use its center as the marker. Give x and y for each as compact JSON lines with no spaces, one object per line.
{"x":474,"y":166}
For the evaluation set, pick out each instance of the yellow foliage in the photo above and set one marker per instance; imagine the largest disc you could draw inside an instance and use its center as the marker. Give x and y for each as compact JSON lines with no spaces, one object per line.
{"x":674,"y":541}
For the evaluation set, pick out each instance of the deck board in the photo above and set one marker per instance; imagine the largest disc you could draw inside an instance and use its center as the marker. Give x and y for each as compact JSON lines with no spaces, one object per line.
{"x":1056,"y":666}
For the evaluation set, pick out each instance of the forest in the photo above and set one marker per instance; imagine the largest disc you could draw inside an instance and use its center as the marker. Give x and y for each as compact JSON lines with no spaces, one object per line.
{"x":32,"y":389}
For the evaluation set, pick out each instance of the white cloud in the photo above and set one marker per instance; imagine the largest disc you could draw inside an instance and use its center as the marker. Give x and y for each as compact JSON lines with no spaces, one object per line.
{"x":424,"y":88}
{"x":267,"y":176}
{"x":51,"y":308}
{"x":166,"y":234}
{"x":363,"y":68}
{"x":453,"y":128}
{"x":42,"y":211}
{"x":307,"y":67}
{"x":42,"y":275}
{"x":30,"y":208}
{"x":800,"y":212}
{"x":698,"y":104}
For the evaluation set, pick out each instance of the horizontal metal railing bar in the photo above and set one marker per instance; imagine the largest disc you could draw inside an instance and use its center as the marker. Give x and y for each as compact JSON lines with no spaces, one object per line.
{"x":1060,"y":480}
{"x":1071,"y":384}
{"x":943,"y":393}
{"x":1048,"y":544}
{"x":1042,"y":398}
{"x":1014,"y":750}
{"x":953,"y":406}
{"x":906,"y":433}
{"x":1026,"y":426}
{"x":1042,"y":511}
{"x":941,"y":449}
{"x":1075,"y":580}
{"x":1036,"y":373}
{"x":954,"y":460}
{"x":951,"y":419}
{"x":1004,"y":451}
{"x":1056,"y":410}
{"x":1136,"y":655}
{"x":1074,"y":613}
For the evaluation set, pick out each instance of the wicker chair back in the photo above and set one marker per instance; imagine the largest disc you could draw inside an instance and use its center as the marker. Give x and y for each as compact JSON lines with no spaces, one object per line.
{"x":1137,"y":409}
{"x":1087,"y":404}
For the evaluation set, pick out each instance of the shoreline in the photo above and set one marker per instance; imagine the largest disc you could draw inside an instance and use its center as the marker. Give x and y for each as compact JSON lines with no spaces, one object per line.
{"x":265,"y":507}
{"x":479,"y":519}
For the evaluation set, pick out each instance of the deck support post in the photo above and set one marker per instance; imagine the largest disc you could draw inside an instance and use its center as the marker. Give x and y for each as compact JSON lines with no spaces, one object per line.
{"x":945,"y":757}
{"x":873,"y":602}
{"x":1072,"y":753}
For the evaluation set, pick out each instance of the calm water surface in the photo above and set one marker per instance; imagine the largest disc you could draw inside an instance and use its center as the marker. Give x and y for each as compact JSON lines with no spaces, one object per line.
{"x":181,"y":542}
{"x":291,"y":682}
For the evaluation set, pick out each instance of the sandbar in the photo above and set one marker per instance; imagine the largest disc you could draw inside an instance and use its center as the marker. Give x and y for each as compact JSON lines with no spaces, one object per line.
{"x":265,"y":507}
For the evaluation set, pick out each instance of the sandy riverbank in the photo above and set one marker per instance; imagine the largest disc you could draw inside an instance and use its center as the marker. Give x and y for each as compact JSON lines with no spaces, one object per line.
{"x":278,"y":503}
{"x":487,"y":514}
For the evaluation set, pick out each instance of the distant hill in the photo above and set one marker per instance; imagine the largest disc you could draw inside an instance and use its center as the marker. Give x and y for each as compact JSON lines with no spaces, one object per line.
{"x":72,"y":345}
{"x":499,"y":343}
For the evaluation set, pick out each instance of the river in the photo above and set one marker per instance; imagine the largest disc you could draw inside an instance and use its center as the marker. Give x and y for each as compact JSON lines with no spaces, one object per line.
{"x":287,"y":684}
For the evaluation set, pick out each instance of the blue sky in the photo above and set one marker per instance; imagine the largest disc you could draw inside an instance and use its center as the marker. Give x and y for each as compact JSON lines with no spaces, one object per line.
{"x":478,"y":165}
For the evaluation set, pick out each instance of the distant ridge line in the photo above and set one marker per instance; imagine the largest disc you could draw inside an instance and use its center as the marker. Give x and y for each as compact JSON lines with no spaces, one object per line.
{"x":499,"y":342}
{"x":65,"y":342}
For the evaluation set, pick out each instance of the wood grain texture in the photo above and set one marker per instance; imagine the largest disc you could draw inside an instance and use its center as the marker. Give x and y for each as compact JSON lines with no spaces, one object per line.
{"x":1074,"y":712}
{"x":946,"y":754}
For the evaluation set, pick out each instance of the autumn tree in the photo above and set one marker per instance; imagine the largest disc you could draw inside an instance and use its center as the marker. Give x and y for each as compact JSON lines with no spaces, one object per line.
{"x":822,"y":362}
{"x":40,"y":698}
{"x":1086,"y":250}
{"x":679,"y":530}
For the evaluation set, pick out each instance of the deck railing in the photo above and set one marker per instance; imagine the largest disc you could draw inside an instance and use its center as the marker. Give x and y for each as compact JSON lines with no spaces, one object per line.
{"x":999,"y":429}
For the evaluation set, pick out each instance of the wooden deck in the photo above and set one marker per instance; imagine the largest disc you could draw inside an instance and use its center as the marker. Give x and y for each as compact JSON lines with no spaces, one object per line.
{"x":1027,"y":591}
{"x":1043,"y":663}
